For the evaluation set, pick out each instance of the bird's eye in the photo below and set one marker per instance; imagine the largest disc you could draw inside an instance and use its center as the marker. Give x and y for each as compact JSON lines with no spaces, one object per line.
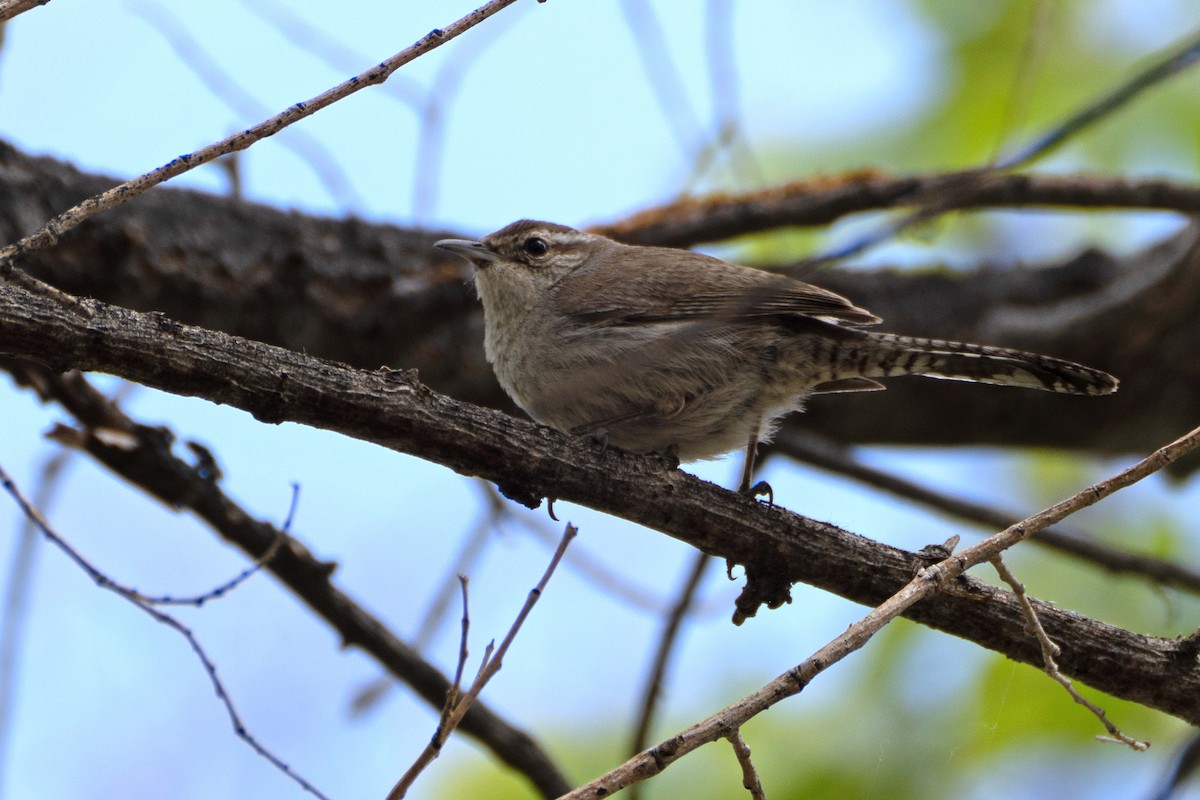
{"x":535,"y":246}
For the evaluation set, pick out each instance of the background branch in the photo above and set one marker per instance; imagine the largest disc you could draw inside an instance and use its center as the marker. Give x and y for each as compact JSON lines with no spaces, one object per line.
{"x":144,"y":459}
{"x":372,"y":294}
{"x":928,"y":581}
{"x":48,"y":235}
{"x":530,"y":462}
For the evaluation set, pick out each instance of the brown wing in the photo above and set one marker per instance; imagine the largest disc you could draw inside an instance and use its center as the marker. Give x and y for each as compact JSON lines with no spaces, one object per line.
{"x":652,"y":284}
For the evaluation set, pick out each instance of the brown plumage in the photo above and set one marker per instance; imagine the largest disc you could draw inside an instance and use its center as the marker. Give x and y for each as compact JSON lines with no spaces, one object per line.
{"x":668,"y":349}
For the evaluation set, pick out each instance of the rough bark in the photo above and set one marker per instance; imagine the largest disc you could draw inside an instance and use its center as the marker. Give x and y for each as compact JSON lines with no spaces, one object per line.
{"x":530,"y":462}
{"x":370,"y":294}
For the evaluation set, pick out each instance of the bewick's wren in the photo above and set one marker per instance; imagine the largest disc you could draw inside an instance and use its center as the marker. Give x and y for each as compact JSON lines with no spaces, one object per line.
{"x":663,"y":349}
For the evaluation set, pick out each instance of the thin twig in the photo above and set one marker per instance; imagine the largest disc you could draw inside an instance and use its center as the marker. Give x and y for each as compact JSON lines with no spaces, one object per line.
{"x":429,"y":154}
{"x":316,"y":42}
{"x":750,"y":779}
{"x":212,"y":594}
{"x":492,"y":661}
{"x":594,"y":570}
{"x":928,"y":581}
{"x":239,"y":727}
{"x":232,"y":92}
{"x":1033,"y":50}
{"x":1158,"y":70}
{"x":452,"y":695}
{"x":77,"y":440}
{"x":662,"y":655}
{"x":19,"y":585}
{"x":938,"y":201}
{"x":998,"y":543}
{"x":813,"y":449}
{"x":11,"y":8}
{"x":469,"y":552}
{"x":1050,"y":652}
{"x":49,"y":233}
{"x":665,"y":81}
{"x":150,"y":465}
{"x":724,"y":93}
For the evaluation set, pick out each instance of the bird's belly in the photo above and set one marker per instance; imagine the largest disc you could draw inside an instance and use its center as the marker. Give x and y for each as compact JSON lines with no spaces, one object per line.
{"x":701,"y":402}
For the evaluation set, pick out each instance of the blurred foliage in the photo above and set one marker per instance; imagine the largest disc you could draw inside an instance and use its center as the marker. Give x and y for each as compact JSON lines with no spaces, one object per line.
{"x":1007,"y":73}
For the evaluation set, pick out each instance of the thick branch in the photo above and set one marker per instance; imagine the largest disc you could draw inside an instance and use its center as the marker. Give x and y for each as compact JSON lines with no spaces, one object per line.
{"x":372,"y":294}
{"x":530,"y":462}
{"x":820,"y":201}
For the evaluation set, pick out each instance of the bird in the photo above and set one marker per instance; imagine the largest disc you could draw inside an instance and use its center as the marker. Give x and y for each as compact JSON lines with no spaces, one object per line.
{"x":668,"y":350}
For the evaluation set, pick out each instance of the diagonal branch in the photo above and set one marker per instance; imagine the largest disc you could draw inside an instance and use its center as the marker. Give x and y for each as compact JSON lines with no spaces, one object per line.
{"x":48,"y":234}
{"x":812,"y":449}
{"x":457,"y":706}
{"x":529,"y":462}
{"x":144,"y":459}
{"x":11,"y":8}
{"x":104,"y":582}
{"x":369,"y":294}
{"x":928,"y":581}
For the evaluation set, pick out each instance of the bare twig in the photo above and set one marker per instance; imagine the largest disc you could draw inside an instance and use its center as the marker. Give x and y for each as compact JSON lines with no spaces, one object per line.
{"x":212,"y":594}
{"x":998,"y":543}
{"x":11,"y":8}
{"x":750,"y":779}
{"x":230,"y":91}
{"x":49,"y":233}
{"x":468,"y":554}
{"x":608,"y":580}
{"x":492,"y":661}
{"x":941,"y":198}
{"x":665,"y":82}
{"x":239,"y":727}
{"x":314,"y":41}
{"x":662,"y":655}
{"x":431,"y":138}
{"x":727,"y":130}
{"x":928,"y":581}
{"x":1033,"y":49}
{"x":145,"y":460}
{"x":811,"y":449}
{"x":20,"y":581}
{"x":1182,"y":768}
{"x":452,"y":695}
{"x":1050,"y":653}
{"x":1158,"y":70}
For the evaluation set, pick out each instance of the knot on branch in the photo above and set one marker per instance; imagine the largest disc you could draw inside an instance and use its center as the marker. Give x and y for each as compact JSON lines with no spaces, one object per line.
{"x":766,"y":584}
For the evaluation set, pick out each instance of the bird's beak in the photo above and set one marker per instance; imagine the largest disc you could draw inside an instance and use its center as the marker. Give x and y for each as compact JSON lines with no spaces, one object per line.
{"x":475,"y":252}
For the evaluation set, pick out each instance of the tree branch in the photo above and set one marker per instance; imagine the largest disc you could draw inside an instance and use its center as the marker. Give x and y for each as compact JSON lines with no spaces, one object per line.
{"x":143,"y":457}
{"x":11,"y":8}
{"x":936,"y":580}
{"x":529,"y":462}
{"x":811,"y":449}
{"x":822,"y":200}
{"x":373,"y":294}
{"x":48,"y":234}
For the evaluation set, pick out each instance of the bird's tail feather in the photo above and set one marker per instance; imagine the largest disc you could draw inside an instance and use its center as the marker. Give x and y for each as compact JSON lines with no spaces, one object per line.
{"x":937,"y":358}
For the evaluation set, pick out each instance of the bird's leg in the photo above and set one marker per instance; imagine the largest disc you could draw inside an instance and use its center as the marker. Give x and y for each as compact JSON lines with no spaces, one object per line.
{"x":762,"y":488}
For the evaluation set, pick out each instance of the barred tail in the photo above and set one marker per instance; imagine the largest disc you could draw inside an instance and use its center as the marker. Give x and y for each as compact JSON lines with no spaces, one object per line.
{"x":958,"y":361}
